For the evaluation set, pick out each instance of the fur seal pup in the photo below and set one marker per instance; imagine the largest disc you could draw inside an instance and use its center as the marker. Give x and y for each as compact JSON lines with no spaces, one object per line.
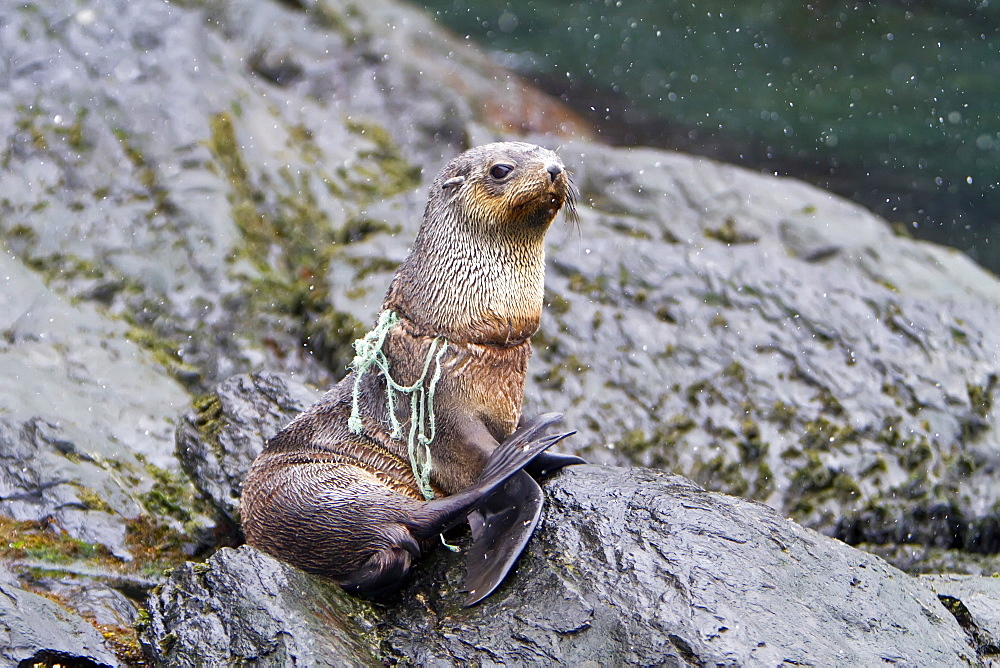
{"x":426,"y":430}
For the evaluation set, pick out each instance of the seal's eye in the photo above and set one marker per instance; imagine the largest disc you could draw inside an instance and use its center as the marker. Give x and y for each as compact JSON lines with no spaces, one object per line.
{"x":500,"y":171}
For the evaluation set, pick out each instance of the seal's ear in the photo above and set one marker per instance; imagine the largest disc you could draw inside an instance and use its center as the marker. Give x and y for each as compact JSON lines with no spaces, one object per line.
{"x":453,"y":182}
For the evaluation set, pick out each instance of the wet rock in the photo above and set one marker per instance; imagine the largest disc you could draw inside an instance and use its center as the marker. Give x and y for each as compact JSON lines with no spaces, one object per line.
{"x":758,"y":335}
{"x":218,"y":442}
{"x":38,"y":630}
{"x":94,"y":600}
{"x":75,"y":390}
{"x":773,"y":341}
{"x":243,"y":606}
{"x":973,"y":601}
{"x":633,"y":567}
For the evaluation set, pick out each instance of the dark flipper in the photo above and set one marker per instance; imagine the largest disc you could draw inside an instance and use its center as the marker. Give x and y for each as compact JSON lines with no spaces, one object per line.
{"x":510,"y":457}
{"x":501,"y":528}
{"x":549,"y":462}
{"x":384,"y":571}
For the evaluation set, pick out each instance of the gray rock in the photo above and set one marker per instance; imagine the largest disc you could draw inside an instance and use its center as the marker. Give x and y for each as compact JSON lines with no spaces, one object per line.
{"x":34,"y":629}
{"x":629,"y":567}
{"x":975,"y":602}
{"x":95,"y":600}
{"x":217,"y":444}
{"x":755,"y":334}
{"x":75,"y":390}
{"x":245,"y":608}
{"x":195,"y":190}
{"x":770,"y":340}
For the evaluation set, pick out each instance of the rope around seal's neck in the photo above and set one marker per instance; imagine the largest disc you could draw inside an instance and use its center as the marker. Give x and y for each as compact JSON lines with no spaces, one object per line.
{"x":422,"y":421}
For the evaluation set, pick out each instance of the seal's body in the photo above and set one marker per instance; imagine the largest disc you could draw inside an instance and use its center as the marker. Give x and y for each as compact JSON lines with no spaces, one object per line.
{"x":343,"y":498}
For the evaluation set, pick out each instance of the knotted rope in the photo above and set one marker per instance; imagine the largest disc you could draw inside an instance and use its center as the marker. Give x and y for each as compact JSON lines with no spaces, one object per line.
{"x":368,"y":352}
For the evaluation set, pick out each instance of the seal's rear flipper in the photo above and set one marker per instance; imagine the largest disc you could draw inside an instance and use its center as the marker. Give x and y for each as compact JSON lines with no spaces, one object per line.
{"x":550,"y":462}
{"x":501,"y":528}
{"x":507,"y":460}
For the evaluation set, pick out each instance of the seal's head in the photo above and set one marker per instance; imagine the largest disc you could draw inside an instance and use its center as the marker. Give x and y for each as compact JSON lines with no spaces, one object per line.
{"x":477,"y":268}
{"x":503,"y":187}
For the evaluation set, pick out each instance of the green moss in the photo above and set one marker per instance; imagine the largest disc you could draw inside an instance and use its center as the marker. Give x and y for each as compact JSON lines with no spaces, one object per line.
{"x":815,"y":482}
{"x":361,"y":228}
{"x":718,"y":321}
{"x":556,"y":304}
{"x":154,"y":545}
{"x":705,"y":392}
{"x":64,"y":266}
{"x":21,"y":231}
{"x":547,"y":347}
{"x":124,"y":642}
{"x":981,"y":398}
{"x":166,"y":643}
{"x":560,"y":368}
{"x":596,"y":288}
{"x":628,"y":230}
{"x":719,"y":475}
{"x":752,"y":447}
{"x":887,"y":284}
{"x":74,"y":132}
{"x":764,"y":485}
{"x":736,"y":372}
{"x":331,"y":335}
{"x":367,"y":266}
{"x":892,"y":392}
{"x":828,"y":403}
{"x":390,"y":174}
{"x":37,"y":542}
{"x":146,"y":175}
{"x":300,"y":137}
{"x":729,"y":235}
{"x":324,"y":15}
{"x":292,"y":243}
{"x":172,"y":494}
{"x":877,"y":466}
{"x":92,"y":500}
{"x":222,"y":143}
{"x":663,"y":314}
{"x":208,"y":418}
{"x":659,"y":449}
{"x":959,"y":336}
{"x":633,"y":442}
{"x":165,"y":353}
{"x":962,"y":466}
{"x":26,"y":123}
{"x":783,"y":414}
{"x":821,"y":434}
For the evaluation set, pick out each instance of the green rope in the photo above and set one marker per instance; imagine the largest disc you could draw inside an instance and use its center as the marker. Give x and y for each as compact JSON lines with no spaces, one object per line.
{"x":422,"y":420}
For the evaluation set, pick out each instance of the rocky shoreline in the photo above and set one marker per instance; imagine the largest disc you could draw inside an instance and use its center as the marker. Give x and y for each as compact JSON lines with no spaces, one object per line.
{"x":197,"y":191}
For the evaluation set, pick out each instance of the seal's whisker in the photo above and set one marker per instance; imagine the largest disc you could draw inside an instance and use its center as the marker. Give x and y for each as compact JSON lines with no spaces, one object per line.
{"x":571,"y":213}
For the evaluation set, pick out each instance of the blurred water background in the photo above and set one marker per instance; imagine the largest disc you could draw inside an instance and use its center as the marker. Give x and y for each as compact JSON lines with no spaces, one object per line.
{"x":894,"y":104}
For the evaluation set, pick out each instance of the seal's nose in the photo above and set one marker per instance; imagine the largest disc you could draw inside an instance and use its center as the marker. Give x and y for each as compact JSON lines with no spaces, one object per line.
{"x":554,"y":170}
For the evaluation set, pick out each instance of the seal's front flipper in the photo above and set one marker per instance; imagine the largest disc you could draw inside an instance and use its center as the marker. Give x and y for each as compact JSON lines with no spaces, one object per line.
{"x":501,"y":528}
{"x":547,"y":462}
{"x":550,"y":462}
{"x":507,"y":460}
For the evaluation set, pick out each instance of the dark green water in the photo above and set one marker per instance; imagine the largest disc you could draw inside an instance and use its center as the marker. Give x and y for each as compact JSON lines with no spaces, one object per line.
{"x":893,"y":104}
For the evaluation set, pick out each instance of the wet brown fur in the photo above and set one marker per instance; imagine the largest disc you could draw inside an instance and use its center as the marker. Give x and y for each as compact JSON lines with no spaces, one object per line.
{"x":332,"y":502}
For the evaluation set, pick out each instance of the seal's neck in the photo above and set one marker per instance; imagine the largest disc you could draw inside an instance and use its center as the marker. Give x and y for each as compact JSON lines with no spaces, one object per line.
{"x":472,"y":286}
